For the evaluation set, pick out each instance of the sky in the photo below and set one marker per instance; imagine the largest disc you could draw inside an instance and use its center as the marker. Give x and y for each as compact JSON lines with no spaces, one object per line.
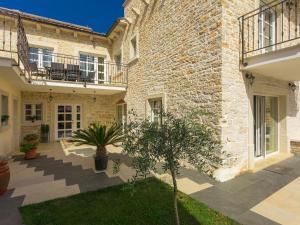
{"x":97,"y":14}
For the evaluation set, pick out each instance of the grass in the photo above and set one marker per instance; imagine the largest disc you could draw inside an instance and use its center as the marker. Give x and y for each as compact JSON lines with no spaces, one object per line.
{"x":149,"y":203}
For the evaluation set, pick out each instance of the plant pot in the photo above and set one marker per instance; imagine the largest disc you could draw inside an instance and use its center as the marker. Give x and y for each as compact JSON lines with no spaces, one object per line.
{"x":101,"y":163}
{"x":44,"y":137}
{"x":4,"y":177}
{"x":31,"y":154}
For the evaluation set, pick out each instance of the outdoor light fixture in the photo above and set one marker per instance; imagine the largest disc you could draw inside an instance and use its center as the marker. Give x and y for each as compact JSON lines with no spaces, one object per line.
{"x":292,"y":86}
{"x":250,"y":78}
{"x":50,"y":96}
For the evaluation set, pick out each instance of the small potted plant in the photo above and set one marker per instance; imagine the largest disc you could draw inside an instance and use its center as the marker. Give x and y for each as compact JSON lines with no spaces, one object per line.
{"x":4,"y":119}
{"x":29,"y":149}
{"x":44,"y":133}
{"x":4,"y":175}
{"x":33,"y":118}
{"x":31,"y":138}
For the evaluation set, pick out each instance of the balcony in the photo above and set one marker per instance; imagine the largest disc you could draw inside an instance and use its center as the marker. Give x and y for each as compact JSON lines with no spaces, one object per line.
{"x":42,"y":71}
{"x":269,"y":40}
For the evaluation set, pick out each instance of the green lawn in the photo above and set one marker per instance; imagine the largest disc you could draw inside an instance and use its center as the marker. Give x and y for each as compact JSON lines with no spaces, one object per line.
{"x":149,"y":204}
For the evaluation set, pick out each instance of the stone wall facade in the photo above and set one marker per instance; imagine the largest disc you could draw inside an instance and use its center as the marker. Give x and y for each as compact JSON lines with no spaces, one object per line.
{"x":179,"y":55}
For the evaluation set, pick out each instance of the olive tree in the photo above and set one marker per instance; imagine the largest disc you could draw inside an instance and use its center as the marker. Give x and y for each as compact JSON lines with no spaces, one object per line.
{"x":173,"y":140}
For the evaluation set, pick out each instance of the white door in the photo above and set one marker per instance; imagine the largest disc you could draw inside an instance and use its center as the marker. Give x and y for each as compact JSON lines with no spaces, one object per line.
{"x":68,"y":120}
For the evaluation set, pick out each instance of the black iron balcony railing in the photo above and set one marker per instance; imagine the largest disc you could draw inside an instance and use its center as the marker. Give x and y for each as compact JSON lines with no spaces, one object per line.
{"x":57,"y":67}
{"x":272,"y":26}
{"x":47,"y":66}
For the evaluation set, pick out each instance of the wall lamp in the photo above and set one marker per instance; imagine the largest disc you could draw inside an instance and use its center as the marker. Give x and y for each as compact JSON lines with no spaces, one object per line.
{"x":250,"y":78}
{"x":293,"y":86}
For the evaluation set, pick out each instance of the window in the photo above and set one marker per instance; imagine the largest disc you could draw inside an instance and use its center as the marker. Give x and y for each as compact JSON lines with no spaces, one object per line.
{"x":41,"y":56}
{"x":87,"y":64}
{"x":4,"y":110}
{"x":101,"y":68}
{"x":33,"y":112}
{"x":118,"y":61}
{"x":122,"y":113}
{"x":156,"y":110}
{"x":133,"y":48}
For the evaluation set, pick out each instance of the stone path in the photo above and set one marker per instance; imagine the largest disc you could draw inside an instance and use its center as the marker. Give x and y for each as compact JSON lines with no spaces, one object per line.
{"x":53,"y":175}
{"x":267,"y":197}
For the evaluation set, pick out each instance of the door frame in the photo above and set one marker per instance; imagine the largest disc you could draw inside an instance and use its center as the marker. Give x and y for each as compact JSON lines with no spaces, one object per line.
{"x":73,"y":121}
{"x":265,"y":154}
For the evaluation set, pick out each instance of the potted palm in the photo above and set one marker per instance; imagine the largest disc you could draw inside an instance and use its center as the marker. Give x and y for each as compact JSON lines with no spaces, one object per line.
{"x":99,"y":136}
{"x":4,"y":175}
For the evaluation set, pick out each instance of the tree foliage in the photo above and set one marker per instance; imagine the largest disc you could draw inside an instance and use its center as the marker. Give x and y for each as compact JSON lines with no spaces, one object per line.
{"x":176,"y":139}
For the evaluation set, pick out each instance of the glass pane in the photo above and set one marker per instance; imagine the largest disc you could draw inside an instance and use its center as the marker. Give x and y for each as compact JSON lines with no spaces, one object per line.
{"x":61,"y":126}
{"x":68,"y":125}
{"x":28,"y":118}
{"x":68,"y":117}
{"x":68,"y":108}
{"x":60,"y":134}
{"x":78,"y":125}
{"x":271,"y":120}
{"x":78,"y":116}
{"x":38,"y":106}
{"x":28,"y":112}
{"x":78,"y":108}
{"x":61,"y":108}
{"x":60,"y":117}
{"x":68,"y":133}
{"x":28,"y":106}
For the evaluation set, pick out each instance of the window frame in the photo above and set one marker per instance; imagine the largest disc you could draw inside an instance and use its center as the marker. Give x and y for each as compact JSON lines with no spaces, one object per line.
{"x":95,"y":64}
{"x":156,"y":104}
{"x":40,"y":56}
{"x":134,"y":53}
{"x":33,"y":112}
{"x":3,"y":93}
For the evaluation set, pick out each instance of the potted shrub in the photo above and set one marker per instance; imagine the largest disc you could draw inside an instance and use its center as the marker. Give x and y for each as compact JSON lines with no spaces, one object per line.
{"x":29,"y":149}
{"x":4,"y":175}
{"x":4,"y":119}
{"x":31,"y":138}
{"x":99,"y":136}
{"x":44,"y":133}
{"x":29,"y":146}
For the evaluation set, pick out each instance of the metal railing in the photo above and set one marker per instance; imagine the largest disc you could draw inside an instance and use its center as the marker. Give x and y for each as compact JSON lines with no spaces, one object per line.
{"x":65,"y":68}
{"x":272,"y":26}
{"x":51,"y":66}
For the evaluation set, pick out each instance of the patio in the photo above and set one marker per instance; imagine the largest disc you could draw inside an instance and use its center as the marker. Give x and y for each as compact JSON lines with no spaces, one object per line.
{"x":269,"y":196}
{"x":53,"y":175}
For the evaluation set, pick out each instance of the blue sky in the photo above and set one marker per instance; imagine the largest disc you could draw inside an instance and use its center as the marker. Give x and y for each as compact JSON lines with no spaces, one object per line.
{"x":97,"y":14}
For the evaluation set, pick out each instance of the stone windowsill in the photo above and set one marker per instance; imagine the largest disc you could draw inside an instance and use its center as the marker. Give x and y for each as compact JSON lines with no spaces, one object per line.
{"x":133,"y":60}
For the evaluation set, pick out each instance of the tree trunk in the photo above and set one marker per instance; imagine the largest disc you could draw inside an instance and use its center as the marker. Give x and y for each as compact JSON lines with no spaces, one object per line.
{"x":175,"y":197}
{"x":101,"y":151}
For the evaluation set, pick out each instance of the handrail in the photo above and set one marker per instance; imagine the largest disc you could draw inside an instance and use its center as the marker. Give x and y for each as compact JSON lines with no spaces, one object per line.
{"x":270,"y":27}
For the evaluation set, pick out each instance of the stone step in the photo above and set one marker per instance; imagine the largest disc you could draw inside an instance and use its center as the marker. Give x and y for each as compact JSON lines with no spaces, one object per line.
{"x":45,"y":191}
{"x":28,"y":181}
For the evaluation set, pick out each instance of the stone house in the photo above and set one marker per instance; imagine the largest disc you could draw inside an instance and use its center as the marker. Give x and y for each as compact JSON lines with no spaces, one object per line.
{"x":235,"y":58}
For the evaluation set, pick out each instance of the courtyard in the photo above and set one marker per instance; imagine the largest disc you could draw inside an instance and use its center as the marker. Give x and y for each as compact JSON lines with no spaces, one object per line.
{"x":268,"y":196}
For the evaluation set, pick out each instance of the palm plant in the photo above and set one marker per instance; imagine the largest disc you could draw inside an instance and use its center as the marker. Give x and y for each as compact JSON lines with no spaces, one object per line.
{"x":99,"y":136}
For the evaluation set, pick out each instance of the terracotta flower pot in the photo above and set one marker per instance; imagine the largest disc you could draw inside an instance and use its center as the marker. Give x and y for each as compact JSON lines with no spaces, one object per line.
{"x":31,"y":154}
{"x":4,"y":177}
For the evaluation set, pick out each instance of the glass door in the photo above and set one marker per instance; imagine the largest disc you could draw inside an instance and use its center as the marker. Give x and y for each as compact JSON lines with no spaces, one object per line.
{"x":265,"y":125}
{"x":68,"y":118}
{"x":266,"y":29}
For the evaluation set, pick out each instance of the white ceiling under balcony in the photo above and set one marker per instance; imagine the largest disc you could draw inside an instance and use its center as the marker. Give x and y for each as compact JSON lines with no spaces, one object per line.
{"x":279,"y":64}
